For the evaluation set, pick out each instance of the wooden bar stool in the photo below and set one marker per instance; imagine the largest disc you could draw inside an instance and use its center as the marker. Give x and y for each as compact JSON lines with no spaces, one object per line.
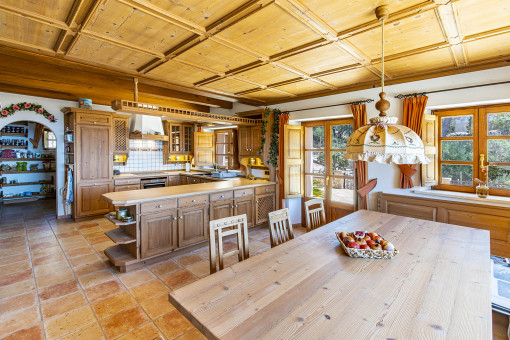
{"x":315,"y":218}
{"x":280,"y":227}
{"x":225,"y":227}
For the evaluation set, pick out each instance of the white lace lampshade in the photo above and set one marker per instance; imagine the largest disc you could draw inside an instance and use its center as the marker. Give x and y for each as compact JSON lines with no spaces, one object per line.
{"x":384,"y":142}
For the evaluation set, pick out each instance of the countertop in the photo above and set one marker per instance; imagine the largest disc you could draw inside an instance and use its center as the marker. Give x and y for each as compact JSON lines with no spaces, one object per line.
{"x":125,"y":198}
{"x":154,"y":174}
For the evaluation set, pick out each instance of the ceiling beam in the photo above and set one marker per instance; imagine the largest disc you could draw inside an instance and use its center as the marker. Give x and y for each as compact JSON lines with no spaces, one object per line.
{"x":90,"y":13}
{"x":70,"y":22}
{"x":447,"y":17}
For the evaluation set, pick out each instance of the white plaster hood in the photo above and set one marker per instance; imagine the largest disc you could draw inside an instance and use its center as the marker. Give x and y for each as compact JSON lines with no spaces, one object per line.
{"x":151,"y":127}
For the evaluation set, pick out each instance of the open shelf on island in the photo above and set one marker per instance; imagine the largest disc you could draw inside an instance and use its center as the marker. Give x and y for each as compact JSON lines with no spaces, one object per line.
{"x":117,"y":222}
{"x":119,"y":236}
{"x":120,"y":256}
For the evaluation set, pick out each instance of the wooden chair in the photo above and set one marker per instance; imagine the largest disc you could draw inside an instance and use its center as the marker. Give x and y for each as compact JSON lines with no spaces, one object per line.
{"x":280,"y":227}
{"x":315,"y":218}
{"x":225,"y":227}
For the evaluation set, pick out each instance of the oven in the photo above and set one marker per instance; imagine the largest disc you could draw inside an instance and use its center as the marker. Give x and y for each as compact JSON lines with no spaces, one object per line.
{"x":148,"y":183}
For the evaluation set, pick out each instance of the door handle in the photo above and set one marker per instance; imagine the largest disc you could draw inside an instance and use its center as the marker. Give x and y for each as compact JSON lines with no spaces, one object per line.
{"x":483,"y":167}
{"x":175,"y":218}
{"x":180,"y":217}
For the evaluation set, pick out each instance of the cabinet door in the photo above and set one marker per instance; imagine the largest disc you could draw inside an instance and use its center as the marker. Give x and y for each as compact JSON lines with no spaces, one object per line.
{"x":264,"y":204}
{"x":256,"y":141}
{"x":174,"y":180}
{"x":244,"y":136}
{"x":192,"y":225}
{"x":204,"y":148}
{"x":192,"y":180}
{"x":187,"y":139}
{"x":127,"y":187}
{"x":89,"y":201}
{"x":121,"y":136}
{"x":158,"y":233}
{"x":175,"y":138}
{"x":221,"y":209}
{"x":245,"y":206}
{"x":94,"y":163}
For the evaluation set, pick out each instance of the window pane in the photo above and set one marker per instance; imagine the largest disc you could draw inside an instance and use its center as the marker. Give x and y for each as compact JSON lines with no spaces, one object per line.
{"x":499,"y":177}
{"x":457,"y":150}
{"x":342,"y":190}
{"x":341,"y":166}
{"x":315,"y":162}
{"x":457,"y":126}
{"x":222,"y":160}
{"x":222,"y":148}
{"x":315,"y":137}
{"x":314,"y":186}
{"x":454,"y":174}
{"x":498,"y":150}
{"x":498,"y":124}
{"x":339,"y":135}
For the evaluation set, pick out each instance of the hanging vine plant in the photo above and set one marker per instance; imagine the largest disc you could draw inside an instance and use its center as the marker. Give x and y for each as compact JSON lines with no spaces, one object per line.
{"x":10,"y":110}
{"x":275,"y":139}
{"x":263,"y":130}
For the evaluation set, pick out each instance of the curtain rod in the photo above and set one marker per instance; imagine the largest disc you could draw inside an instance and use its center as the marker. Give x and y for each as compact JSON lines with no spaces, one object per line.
{"x":402,"y":96}
{"x":322,"y":107}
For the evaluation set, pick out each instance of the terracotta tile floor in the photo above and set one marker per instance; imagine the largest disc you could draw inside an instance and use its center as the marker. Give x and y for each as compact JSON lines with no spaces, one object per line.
{"x":56,"y":283}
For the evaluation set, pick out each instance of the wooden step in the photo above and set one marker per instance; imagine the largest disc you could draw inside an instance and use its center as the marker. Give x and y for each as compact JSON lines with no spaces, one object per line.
{"x":120,"y":256}
{"x":119,"y":236}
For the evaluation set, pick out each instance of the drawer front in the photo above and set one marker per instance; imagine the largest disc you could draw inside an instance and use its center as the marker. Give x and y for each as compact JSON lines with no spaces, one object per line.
{"x":93,"y":118}
{"x":152,"y":207}
{"x":193,"y":200}
{"x":221,"y":196}
{"x":265,"y":190}
{"x":127,"y":187}
{"x":174,"y":180}
{"x":243,"y":193}
{"x":126,"y":181}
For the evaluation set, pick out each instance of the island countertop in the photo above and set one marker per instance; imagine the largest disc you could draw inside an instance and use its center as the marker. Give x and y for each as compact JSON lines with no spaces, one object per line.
{"x":125,"y":198}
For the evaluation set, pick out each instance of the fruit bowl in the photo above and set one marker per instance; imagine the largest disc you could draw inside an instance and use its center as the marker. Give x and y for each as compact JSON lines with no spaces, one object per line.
{"x":365,"y":253}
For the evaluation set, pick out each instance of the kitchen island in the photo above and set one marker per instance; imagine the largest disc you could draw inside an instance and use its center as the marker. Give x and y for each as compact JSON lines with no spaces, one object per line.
{"x":170,"y":219}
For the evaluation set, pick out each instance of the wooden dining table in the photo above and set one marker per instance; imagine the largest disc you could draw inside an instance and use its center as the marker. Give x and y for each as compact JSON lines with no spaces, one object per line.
{"x":436,"y":287}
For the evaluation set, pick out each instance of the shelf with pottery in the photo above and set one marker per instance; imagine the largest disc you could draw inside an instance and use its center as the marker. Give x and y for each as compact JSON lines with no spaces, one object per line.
{"x":10,"y":134}
{"x":27,"y":159}
{"x":126,"y":237}
{"x":14,"y":147}
{"x":25,"y":172}
{"x":24,"y":183}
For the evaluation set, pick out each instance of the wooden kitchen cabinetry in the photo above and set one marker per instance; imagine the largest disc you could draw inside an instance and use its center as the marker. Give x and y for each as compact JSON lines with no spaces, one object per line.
{"x":88,"y":198}
{"x":158,"y":233}
{"x":265,"y":201}
{"x":173,"y":180}
{"x":193,"y":225}
{"x":120,"y":134}
{"x":249,"y":140}
{"x":226,"y":147}
{"x":204,"y":148}
{"x":180,"y":139}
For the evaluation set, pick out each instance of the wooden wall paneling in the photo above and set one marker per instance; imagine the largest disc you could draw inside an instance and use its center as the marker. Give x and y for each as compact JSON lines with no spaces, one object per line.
{"x":293,"y":161}
{"x":429,"y":135}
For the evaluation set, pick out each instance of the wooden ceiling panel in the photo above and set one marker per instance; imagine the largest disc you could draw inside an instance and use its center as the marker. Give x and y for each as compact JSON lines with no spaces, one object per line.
{"x":320,"y":59}
{"x":407,"y":34}
{"x":269,"y":31}
{"x":26,"y":32}
{"x":55,"y":9}
{"x":267,"y":74}
{"x":479,"y":16}
{"x":97,"y":51}
{"x":420,"y":63}
{"x":200,"y":12}
{"x":229,"y":85}
{"x":489,"y":48}
{"x":133,"y":26}
{"x":302,"y":87}
{"x":172,"y":71}
{"x":215,"y":56}
{"x":342,"y":15}
{"x":350,"y":77}
{"x":266,"y":95}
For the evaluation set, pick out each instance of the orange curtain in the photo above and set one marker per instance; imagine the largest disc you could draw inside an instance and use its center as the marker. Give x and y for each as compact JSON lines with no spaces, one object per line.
{"x":284,"y":120}
{"x":414,"y":108}
{"x":360,"y":118}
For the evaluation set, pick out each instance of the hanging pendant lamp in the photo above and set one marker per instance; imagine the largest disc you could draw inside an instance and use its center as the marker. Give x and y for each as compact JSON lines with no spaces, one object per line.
{"x":382,"y":140}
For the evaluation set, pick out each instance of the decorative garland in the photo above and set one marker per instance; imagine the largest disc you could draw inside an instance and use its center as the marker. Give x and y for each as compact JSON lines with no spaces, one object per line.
{"x":263,"y":130}
{"x":274,"y":148}
{"x":10,"y":110}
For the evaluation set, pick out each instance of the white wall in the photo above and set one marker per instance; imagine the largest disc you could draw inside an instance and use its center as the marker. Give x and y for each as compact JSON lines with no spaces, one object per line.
{"x":53,"y":106}
{"x":388,"y":176}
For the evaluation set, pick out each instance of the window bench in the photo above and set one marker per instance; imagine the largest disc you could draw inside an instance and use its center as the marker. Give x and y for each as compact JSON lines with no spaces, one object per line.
{"x":492,"y":215}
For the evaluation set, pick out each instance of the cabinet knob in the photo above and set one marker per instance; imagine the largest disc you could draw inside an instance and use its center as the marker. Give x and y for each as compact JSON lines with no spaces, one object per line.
{"x":267,"y":189}
{"x":193,"y":201}
{"x":222,"y":196}
{"x":233,"y":207}
{"x":94,"y":122}
{"x":244,"y":193}
{"x":175,"y":218}
{"x":180,"y":217}
{"x":257,"y":201}
{"x":236,"y":205}
{"x":159,"y":206}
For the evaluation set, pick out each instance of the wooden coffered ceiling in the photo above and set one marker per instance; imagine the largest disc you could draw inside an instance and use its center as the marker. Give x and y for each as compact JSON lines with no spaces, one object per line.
{"x":264,"y":51}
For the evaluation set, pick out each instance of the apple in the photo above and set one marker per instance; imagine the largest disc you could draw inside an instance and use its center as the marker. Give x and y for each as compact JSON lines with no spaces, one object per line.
{"x":364,"y":246}
{"x":366,"y":238}
{"x":378,"y":239}
{"x":361,"y":241}
{"x":348,"y":239}
{"x":370,"y":243}
{"x":376,"y":246}
{"x":343,"y":235}
{"x":389,"y":247}
{"x":383,"y":243}
{"x":372,"y":235}
{"x":353,"y":245}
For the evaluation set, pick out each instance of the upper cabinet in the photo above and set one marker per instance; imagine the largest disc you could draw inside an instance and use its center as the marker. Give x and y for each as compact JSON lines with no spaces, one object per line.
{"x":249,"y":140}
{"x":204,"y":148}
{"x":180,"y":137}
{"x":226,"y":148}
{"x":120,"y":134}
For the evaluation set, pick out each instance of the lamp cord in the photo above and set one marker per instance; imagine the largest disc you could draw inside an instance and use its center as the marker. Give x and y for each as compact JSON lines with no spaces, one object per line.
{"x":382,"y":76}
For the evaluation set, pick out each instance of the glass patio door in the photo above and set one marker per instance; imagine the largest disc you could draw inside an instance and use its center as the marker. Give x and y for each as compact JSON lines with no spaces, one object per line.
{"x":327,"y":174}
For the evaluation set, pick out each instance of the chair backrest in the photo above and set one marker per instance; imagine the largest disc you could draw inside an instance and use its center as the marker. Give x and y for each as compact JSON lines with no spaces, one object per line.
{"x":234,"y":225}
{"x":315,"y":218}
{"x":280,"y":227}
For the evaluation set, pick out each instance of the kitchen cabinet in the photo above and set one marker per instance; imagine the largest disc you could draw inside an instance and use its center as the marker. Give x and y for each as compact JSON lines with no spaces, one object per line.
{"x":158,"y":233}
{"x":173,"y":180}
{"x":94,"y":161}
{"x":226,"y":147}
{"x":245,"y":206}
{"x":204,"y":148}
{"x":88,"y":198}
{"x":265,"y":202}
{"x":193,"y":225}
{"x":120,"y":135}
{"x":249,"y":140}
{"x":221,"y":209}
{"x":126,"y":187}
{"x":180,"y":138}
{"x":192,"y":180}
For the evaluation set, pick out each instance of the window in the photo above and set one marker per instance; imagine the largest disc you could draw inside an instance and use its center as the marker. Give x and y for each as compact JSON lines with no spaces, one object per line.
{"x":474,"y":143}
{"x":49,"y":140}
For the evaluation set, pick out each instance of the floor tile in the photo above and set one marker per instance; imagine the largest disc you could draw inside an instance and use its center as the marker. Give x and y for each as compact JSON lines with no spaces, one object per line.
{"x":68,"y":322}
{"x":48,"y":259}
{"x":148,"y":331}
{"x":173,"y":324}
{"x":51,"y":268}
{"x":136,"y":278}
{"x":90,"y":268}
{"x":17,"y":303}
{"x":79,"y":251}
{"x":148,"y":290}
{"x":113,"y":304}
{"x":31,"y":333}
{"x":17,"y":289}
{"x":123,"y":322}
{"x":62,"y":305}
{"x":103,"y":290}
{"x":157,"y":306}
{"x":257,"y":246}
{"x":200,"y":269}
{"x":92,"y":332}
{"x":46,"y":251}
{"x":188,"y":260}
{"x":193,"y":334}
{"x":179,"y":279}
{"x":165,"y":268}
{"x":13,"y":322}
{"x":15,"y":267}
{"x":85,"y":259}
{"x":13,"y":259}
{"x":58,"y":290}
{"x":55,"y":278}
{"x":96,"y":278}
{"x":9,"y":279}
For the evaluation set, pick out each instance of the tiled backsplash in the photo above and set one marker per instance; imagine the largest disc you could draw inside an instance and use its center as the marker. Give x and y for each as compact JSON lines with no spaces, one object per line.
{"x":146,"y":155}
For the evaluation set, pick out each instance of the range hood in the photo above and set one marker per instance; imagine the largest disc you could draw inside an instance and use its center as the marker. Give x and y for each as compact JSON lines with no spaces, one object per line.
{"x":147,"y":127}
